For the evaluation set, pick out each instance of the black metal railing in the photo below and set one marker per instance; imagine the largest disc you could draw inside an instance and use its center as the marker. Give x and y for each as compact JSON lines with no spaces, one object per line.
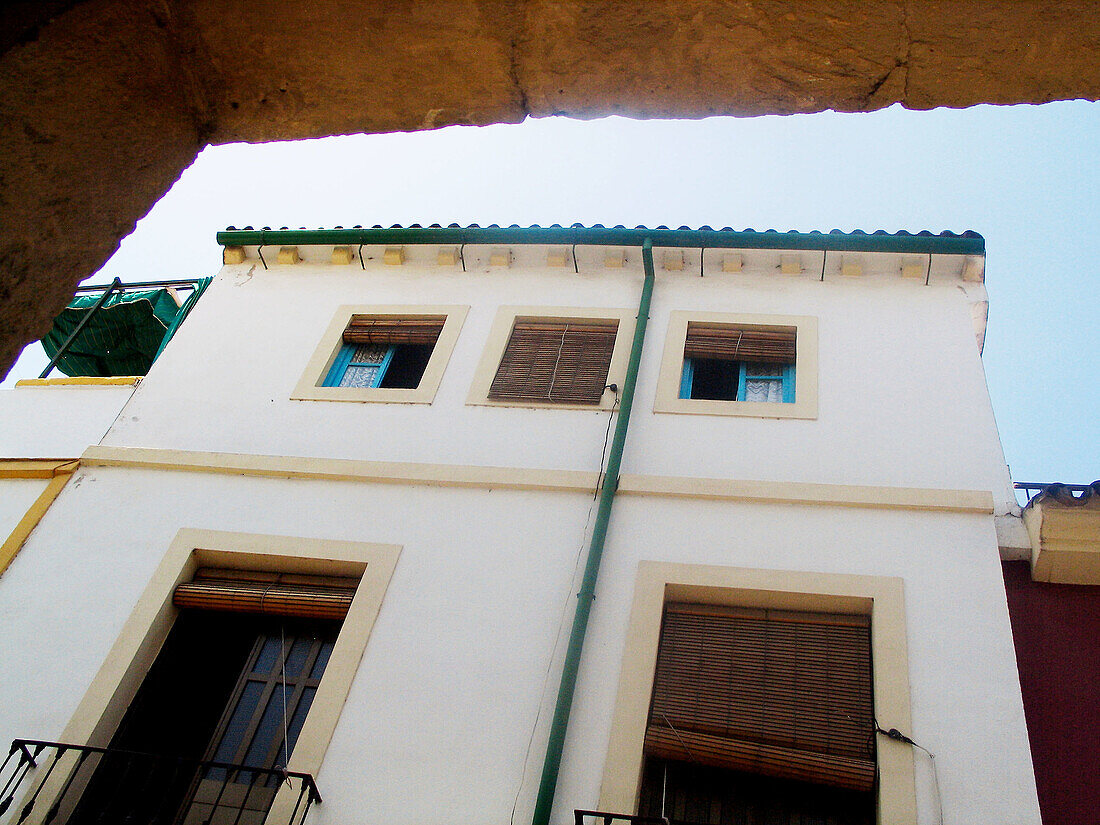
{"x":107,"y":785}
{"x":1032,"y":488}
{"x":606,"y":818}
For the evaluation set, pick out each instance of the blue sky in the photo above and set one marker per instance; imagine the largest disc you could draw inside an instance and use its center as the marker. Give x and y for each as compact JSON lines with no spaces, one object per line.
{"x":1025,"y":177}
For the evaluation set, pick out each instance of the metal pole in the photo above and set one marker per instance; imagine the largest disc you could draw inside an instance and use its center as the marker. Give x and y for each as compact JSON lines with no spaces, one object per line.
{"x":115,"y":284}
{"x":556,"y":742}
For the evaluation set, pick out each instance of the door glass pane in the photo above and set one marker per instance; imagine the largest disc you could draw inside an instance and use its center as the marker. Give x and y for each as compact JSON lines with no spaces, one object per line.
{"x":238,"y":725}
{"x":369,"y":354}
{"x":269,"y":655}
{"x":271,"y":723}
{"x":322,"y":660}
{"x":296,"y":659}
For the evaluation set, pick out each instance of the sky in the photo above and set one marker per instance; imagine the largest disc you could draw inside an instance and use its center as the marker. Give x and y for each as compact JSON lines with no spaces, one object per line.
{"x":1026,"y":177}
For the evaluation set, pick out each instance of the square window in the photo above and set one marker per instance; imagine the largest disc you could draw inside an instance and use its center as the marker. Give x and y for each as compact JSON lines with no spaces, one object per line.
{"x":728,"y":362}
{"x":394,"y":354}
{"x":556,"y":362}
{"x":733,"y":364}
{"x":553,"y":357}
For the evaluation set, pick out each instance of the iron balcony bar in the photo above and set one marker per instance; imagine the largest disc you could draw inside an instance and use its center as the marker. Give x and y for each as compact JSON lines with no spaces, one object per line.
{"x":180,"y":282}
{"x":115,"y":284}
{"x":1073,"y":488}
{"x":606,"y":818}
{"x":134,"y":769}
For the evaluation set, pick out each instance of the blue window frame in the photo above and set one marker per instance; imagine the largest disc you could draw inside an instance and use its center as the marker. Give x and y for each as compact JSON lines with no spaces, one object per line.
{"x":756,"y":382}
{"x":360,"y":365}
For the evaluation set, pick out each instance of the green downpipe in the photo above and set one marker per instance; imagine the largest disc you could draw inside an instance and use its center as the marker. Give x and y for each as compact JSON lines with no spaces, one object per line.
{"x":587,"y":594}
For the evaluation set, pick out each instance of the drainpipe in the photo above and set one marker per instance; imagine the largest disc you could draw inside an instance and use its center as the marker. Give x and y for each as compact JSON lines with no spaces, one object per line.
{"x":587,"y":594}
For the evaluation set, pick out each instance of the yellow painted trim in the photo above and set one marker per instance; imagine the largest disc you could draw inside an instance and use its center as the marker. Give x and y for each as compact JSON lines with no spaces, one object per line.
{"x":114,"y":686}
{"x":82,"y":381}
{"x":518,"y":478}
{"x":501,"y":331}
{"x":59,"y":473}
{"x":309,"y":385}
{"x":667,"y":398}
{"x":658,"y":582}
{"x":37,"y":467}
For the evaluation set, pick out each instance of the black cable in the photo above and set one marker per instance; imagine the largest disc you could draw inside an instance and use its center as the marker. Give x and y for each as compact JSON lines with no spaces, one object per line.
{"x":607,"y":434}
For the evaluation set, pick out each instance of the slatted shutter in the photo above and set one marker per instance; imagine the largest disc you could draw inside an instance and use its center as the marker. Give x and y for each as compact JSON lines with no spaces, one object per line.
{"x":562,"y":362}
{"x":388,"y":329}
{"x":776,"y":693}
{"x":727,"y":342}
{"x":278,"y":594}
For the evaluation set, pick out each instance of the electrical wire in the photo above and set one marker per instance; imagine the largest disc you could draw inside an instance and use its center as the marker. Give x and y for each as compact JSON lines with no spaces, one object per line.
{"x":565,"y":607}
{"x":898,"y":736}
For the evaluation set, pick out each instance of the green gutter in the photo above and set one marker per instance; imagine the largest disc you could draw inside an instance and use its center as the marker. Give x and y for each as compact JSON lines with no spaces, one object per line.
{"x":970,"y":244}
{"x":587,"y":594}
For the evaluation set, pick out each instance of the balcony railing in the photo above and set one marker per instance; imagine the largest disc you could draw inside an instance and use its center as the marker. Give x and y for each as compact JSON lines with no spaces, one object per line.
{"x":85,"y":785}
{"x":605,"y":818}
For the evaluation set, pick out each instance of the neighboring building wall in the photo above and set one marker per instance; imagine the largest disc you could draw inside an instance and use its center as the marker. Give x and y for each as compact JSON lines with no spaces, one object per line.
{"x":1056,"y":628}
{"x":58,"y":419}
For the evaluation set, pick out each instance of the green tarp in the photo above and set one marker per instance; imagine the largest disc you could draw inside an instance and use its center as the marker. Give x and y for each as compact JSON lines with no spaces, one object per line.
{"x":123,"y":337}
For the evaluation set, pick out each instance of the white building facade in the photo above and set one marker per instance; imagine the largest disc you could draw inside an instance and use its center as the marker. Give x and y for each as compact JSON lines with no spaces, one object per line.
{"x":858,"y":476}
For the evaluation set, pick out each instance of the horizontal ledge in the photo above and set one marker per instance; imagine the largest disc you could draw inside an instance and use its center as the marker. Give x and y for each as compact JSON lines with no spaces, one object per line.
{"x":793,"y":492}
{"x":81,"y":381}
{"x":37,"y":467}
{"x":518,"y":478}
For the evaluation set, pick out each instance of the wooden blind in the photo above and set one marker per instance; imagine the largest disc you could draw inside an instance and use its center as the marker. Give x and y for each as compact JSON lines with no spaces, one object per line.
{"x":776,"y":693}
{"x":556,"y":361}
{"x":771,"y":345}
{"x":371,"y":329}
{"x":279,"y":594}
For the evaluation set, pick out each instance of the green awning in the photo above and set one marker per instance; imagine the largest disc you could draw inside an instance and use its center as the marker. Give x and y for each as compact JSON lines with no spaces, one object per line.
{"x":121,"y":339}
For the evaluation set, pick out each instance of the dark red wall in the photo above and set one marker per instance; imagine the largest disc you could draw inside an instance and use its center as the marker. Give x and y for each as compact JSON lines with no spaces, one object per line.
{"x":1056,"y":628}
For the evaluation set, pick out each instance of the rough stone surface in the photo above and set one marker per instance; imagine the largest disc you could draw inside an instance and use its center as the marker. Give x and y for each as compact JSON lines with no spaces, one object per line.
{"x":107,"y":101}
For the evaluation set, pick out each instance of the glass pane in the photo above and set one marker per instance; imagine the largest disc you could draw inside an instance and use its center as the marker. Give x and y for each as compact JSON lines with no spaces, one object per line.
{"x":271,"y":725}
{"x":238,"y":722}
{"x":296,"y":659}
{"x":359,"y":377}
{"x":369,"y":354}
{"x":757,"y":370}
{"x":322,"y":660}
{"x":299,"y":718}
{"x":764,"y":390}
{"x":269,"y":655}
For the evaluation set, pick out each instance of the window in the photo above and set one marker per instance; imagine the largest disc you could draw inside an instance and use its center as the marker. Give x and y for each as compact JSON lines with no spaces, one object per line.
{"x":556,"y":361}
{"x":553,"y":357}
{"x":293,"y":588}
{"x":744,"y":693}
{"x":382,"y":353}
{"x":233,"y":684}
{"x":723,"y":362}
{"x":760,"y":688}
{"x":729,"y":364}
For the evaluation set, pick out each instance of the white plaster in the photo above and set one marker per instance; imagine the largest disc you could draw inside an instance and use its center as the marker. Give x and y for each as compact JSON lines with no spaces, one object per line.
{"x":16,"y":497}
{"x":56,"y":421}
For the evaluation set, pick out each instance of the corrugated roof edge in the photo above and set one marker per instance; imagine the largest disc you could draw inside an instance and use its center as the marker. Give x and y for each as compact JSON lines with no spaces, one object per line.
{"x":949,"y":243}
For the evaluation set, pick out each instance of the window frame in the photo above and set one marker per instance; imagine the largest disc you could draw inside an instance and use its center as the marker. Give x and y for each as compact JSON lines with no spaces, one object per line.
{"x":671,"y":378}
{"x":113,"y":689}
{"x":311,"y":386}
{"x":501,"y":331}
{"x":880,"y":597}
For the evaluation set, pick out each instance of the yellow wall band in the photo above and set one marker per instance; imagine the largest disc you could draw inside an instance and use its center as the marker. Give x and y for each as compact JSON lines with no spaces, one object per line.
{"x":81,"y":381}
{"x":58,"y":472}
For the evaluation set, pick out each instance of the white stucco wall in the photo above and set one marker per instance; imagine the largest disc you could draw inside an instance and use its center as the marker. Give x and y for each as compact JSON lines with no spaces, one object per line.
{"x":56,"y":421}
{"x":16,"y":497}
{"x":438,"y":719}
{"x":903,"y":400}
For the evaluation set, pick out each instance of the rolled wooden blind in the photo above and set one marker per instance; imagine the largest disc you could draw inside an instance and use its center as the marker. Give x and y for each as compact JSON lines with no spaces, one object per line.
{"x":556,"y":361}
{"x":777,"y":693}
{"x":278,"y":594}
{"x":371,"y":329}
{"x":726,"y":342}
